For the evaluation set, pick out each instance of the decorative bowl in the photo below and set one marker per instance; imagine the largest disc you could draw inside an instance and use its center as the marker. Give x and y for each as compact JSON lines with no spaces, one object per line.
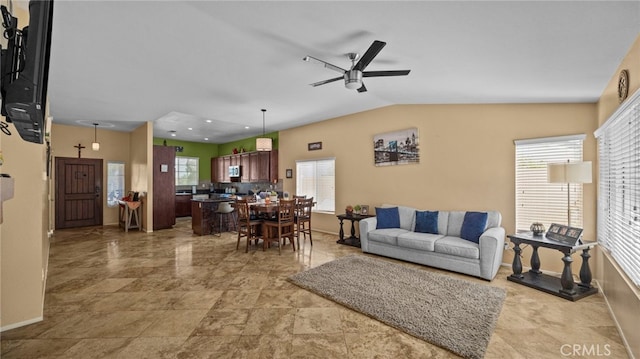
{"x":537,"y":228}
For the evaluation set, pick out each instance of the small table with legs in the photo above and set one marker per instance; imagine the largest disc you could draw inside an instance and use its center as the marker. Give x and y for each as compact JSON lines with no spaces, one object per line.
{"x":564,"y":286}
{"x":352,"y":240}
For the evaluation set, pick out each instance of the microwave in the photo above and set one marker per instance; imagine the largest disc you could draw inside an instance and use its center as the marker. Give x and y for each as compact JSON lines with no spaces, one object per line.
{"x":234,"y":171}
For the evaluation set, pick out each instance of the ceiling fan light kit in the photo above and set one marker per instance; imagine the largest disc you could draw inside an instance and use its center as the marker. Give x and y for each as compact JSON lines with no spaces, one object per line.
{"x":353,"y":76}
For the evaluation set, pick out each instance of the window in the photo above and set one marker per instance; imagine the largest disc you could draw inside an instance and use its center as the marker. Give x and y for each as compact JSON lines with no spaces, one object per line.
{"x":619,"y":187}
{"x":317,"y":179}
{"x":115,"y":182}
{"x":536,"y":199}
{"x":187,"y":173}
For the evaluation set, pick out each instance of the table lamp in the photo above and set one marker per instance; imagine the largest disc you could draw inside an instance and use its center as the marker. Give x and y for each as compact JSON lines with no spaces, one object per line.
{"x":569,"y":172}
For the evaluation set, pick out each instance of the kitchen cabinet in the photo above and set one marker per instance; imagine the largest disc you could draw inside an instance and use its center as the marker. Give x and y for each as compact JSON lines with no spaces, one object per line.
{"x":164,"y":187}
{"x":226,"y":162}
{"x":183,"y":205}
{"x":255,"y":166}
{"x":245,"y":167}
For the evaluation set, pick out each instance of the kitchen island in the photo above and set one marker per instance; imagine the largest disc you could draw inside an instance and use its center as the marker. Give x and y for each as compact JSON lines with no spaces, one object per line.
{"x":203,"y":213}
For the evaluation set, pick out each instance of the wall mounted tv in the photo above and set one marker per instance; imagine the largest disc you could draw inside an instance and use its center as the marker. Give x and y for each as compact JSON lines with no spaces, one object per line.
{"x":25,"y":70}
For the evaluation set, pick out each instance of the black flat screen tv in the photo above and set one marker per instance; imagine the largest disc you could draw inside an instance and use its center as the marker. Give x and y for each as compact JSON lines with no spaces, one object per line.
{"x":25,"y":70}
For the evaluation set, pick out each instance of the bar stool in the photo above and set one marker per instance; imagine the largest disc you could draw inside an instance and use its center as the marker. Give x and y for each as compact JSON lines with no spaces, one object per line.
{"x":224,"y":210}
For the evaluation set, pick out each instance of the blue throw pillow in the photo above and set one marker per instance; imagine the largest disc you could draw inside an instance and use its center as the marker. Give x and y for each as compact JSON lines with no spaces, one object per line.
{"x":387,"y":217}
{"x":473,"y":226}
{"x":427,"y":222}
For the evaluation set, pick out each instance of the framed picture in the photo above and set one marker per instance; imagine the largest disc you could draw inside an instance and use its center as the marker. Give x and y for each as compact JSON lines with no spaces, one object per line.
{"x":396,"y":148}
{"x":289,"y":173}
{"x":364,"y":210}
{"x":564,"y":234}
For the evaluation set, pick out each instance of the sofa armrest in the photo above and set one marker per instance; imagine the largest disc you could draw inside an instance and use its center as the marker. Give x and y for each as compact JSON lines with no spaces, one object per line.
{"x":366,"y":225}
{"x":491,"y":250}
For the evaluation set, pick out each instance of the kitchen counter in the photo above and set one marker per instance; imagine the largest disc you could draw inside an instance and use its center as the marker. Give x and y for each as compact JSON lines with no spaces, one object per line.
{"x":203,"y":213}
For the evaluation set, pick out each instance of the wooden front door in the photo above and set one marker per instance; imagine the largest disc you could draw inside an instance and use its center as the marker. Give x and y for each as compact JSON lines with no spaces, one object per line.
{"x":78,"y":192}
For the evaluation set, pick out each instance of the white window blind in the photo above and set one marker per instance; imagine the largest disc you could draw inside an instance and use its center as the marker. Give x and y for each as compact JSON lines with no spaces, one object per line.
{"x":619,"y":192}
{"x":187,"y":172}
{"x":316,"y":178}
{"x":536,"y":199}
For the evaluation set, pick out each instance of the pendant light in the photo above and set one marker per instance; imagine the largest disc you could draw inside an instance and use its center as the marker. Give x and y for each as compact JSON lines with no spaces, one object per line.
{"x":263,"y":143}
{"x":95,"y":145}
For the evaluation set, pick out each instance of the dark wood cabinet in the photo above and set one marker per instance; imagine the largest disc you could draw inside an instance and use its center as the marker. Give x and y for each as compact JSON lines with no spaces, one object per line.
{"x":245,"y":167}
{"x":164,"y":187}
{"x":183,"y":205}
{"x":254,"y":166}
{"x":273,"y":165}
{"x":226,"y":162}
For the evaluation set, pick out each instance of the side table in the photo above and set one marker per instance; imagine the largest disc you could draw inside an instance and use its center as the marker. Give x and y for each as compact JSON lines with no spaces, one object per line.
{"x":564,"y":286}
{"x":129,"y":214}
{"x":352,"y":240}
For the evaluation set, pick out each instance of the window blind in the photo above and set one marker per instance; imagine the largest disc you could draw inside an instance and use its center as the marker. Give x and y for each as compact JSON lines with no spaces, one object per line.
{"x":619,"y":192}
{"x":536,"y":199}
{"x":316,"y":178}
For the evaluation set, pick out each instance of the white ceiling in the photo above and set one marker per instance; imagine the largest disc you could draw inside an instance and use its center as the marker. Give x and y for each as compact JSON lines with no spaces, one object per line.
{"x":179,"y":64}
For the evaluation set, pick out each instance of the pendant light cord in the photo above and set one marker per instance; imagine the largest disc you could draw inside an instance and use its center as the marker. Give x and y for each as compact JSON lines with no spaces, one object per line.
{"x":263,"y":112}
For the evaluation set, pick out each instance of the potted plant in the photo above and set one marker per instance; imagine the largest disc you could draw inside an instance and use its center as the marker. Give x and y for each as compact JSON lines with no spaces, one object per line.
{"x":357,"y":208}
{"x":274,"y":196}
{"x":349,"y":210}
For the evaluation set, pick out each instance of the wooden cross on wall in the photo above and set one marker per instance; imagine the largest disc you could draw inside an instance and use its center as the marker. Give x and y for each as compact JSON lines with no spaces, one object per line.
{"x":79,"y":147}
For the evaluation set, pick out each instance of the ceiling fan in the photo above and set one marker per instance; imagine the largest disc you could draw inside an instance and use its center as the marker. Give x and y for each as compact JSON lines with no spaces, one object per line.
{"x":353,"y":76}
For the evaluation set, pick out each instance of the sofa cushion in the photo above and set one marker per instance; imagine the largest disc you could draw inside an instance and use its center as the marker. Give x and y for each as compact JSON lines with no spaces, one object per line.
{"x":407,"y":216}
{"x":455,"y":223}
{"x":417,"y":240}
{"x":387,"y":218}
{"x":388,"y":235}
{"x":427,"y":222}
{"x":473,"y":225}
{"x":457,"y":246}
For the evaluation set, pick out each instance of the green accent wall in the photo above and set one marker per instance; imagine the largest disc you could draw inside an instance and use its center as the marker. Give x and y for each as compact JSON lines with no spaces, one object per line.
{"x":249,"y":144}
{"x":205,"y":151}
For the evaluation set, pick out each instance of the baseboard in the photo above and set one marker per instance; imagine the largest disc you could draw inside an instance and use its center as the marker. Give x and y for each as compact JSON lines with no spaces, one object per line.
{"x":615,"y":320}
{"x":21,"y":324}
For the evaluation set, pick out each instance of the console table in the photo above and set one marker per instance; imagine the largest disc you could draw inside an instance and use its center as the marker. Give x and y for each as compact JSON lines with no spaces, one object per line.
{"x":564,"y":286}
{"x":352,"y":240}
{"x":129,"y":214}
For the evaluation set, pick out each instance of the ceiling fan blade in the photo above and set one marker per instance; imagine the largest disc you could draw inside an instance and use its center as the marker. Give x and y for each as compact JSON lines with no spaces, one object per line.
{"x":368,"y":56}
{"x":362,"y":88}
{"x":385,"y":73}
{"x":326,"y":81}
{"x":324,"y":63}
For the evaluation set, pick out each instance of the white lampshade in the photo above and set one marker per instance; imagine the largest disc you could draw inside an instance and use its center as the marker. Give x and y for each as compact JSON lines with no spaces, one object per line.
{"x":263,"y":144}
{"x":95,"y":146}
{"x":569,"y":172}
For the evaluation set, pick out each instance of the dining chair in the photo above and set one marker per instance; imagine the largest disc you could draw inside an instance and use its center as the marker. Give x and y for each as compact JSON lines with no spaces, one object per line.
{"x":281,"y":227}
{"x":303,"y":219}
{"x":248,"y":225}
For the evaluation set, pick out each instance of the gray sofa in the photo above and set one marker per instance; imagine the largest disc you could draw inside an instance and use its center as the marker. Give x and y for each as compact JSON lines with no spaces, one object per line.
{"x":445,"y":249}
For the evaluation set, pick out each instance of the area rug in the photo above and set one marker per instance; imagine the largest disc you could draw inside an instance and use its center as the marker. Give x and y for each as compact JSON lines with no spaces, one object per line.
{"x":451,"y":313}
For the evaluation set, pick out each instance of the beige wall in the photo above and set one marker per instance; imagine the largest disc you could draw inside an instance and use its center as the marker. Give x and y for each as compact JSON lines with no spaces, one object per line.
{"x":622,"y":295}
{"x":24,"y":242}
{"x":114,"y":146}
{"x":467,"y":158}
{"x":141,"y":143}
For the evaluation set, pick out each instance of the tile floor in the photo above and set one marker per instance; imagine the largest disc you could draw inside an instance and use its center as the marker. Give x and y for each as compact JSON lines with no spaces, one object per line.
{"x":170,"y":294}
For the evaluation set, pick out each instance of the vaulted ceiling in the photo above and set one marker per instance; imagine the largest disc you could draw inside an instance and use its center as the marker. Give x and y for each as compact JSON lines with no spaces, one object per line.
{"x":204,"y":69}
